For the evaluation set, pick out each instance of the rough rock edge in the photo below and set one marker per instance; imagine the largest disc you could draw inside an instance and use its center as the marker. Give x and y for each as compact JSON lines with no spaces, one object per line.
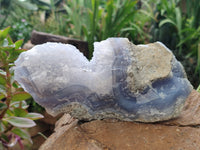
{"x":62,"y":125}
{"x":190,"y":115}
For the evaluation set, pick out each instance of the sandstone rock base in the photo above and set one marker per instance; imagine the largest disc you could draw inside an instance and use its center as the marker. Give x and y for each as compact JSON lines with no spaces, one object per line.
{"x":182,"y":133}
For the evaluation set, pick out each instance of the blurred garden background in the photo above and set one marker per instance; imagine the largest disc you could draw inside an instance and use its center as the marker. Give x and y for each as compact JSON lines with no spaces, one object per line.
{"x":176,"y":23}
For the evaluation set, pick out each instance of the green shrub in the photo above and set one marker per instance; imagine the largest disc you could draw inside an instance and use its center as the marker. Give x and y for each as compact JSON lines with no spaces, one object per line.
{"x":14,"y":118}
{"x":21,"y":30}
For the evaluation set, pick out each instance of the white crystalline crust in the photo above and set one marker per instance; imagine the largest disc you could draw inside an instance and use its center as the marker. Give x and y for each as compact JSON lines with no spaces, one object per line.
{"x":67,"y":66}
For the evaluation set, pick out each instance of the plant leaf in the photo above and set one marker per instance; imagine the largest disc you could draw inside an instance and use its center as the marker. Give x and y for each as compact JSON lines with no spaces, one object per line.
{"x":34,"y":116}
{"x":2,"y":127}
{"x":166,"y":21}
{"x":2,"y":72}
{"x":2,"y":89}
{"x":15,"y":85}
{"x":9,"y":113}
{"x":17,"y":104}
{"x":5,"y":137}
{"x":2,"y":106}
{"x":4,"y":33}
{"x":2,"y":79}
{"x":10,"y":42}
{"x":18,"y":44}
{"x":178,"y":19}
{"x":22,"y":133}
{"x":2,"y":96}
{"x":7,"y":50}
{"x":20,"y":122}
{"x":27,"y":5}
{"x":19,"y":112}
{"x":20,"y":96}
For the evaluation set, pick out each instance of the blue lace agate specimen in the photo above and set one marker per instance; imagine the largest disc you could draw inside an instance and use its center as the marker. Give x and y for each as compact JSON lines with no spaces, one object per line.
{"x":125,"y":81}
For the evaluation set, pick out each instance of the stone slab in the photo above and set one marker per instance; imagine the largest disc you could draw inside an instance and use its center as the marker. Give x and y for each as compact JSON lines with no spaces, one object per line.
{"x":114,"y":135}
{"x":42,"y":37}
{"x":182,"y":133}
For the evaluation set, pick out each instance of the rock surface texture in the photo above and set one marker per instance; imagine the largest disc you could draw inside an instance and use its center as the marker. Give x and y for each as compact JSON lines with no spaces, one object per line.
{"x":125,"y":81}
{"x":182,"y":133}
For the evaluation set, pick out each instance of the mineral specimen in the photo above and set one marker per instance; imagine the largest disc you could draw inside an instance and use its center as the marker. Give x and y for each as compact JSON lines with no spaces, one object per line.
{"x":125,"y":81}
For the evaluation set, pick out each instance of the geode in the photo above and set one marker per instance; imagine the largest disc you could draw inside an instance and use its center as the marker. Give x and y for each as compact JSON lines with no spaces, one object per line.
{"x":125,"y":81}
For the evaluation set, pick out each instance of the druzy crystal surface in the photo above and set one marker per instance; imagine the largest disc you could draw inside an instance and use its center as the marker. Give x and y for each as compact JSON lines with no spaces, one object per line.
{"x":125,"y":81}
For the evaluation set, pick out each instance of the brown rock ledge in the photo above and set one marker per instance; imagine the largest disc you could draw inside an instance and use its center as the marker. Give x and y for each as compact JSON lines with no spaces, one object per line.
{"x":42,"y":37}
{"x":181,"y":133}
